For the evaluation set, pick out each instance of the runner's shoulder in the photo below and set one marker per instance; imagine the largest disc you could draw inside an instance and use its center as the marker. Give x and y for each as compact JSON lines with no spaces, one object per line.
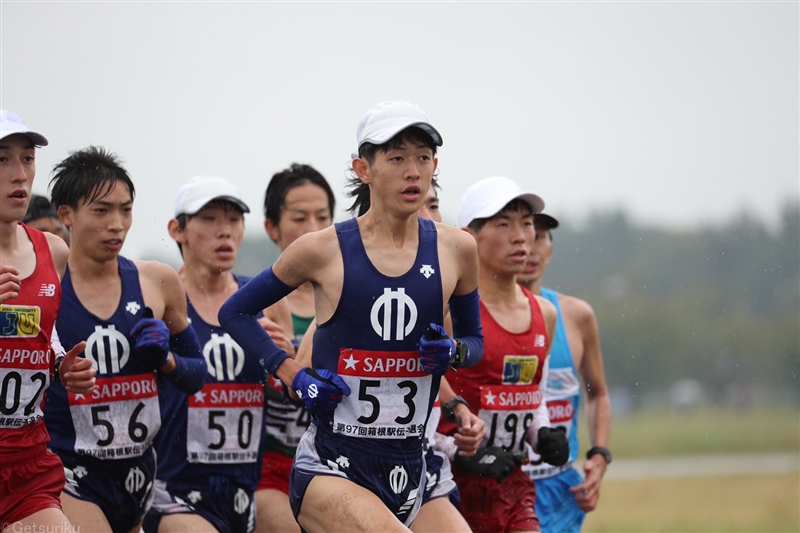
{"x":456,"y":239}
{"x":576,"y":310}
{"x":157,"y":272}
{"x":58,"y":250}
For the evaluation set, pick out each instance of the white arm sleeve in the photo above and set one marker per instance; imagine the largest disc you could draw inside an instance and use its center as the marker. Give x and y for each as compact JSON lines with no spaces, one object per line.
{"x":446,"y":445}
{"x":541,"y":416}
{"x":55,"y":343}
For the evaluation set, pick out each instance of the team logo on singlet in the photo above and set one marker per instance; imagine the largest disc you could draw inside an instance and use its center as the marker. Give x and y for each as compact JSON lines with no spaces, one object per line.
{"x":519,"y":369}
{"x":393,"y":307}
{"x":19,"y":321}
{"x":224,"y":357}
{"x":108,"y":349}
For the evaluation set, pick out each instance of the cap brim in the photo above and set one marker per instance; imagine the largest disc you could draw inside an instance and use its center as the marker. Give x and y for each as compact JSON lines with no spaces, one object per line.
{"x":536,"y":203}
{"x":36,"y":138}
{"x":198,"y":206}
{"x":543,"y":221}
{"x":385,"y":135}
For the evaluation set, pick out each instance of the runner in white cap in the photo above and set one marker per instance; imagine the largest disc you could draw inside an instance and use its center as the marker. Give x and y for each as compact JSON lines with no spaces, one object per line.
{"x":381,"y":285}
{"x":31,"y":478}
{"x":209,"y":455}
{"x":504,"y":388}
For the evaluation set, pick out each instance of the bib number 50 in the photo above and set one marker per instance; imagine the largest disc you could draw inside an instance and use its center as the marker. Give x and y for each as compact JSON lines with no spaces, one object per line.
{"x":244,"y":432}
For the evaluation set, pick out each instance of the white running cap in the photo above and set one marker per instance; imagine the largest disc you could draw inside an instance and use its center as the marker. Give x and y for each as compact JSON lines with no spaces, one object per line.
{"x":10,"y":123}
{"x":387,"y":119}
{"x":489,"y":196}
{"x":200,"y":190}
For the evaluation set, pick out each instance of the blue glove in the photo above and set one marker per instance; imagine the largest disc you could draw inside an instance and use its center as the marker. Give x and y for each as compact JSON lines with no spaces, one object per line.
{"x":319,"y":390}
{"x":152,"y":338}
{"x":436,"y":350}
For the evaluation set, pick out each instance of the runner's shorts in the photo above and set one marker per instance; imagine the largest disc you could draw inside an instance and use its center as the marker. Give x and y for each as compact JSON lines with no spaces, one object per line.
{"x":395,"y":477}
{"x":556,"y":507}
{"x":439,"y":478}
{"x":122,"y":488}
{"x":30,"y":481}
{"x":492,"y":507}
{"x":275,"y":470}
{"x":226,"y":505}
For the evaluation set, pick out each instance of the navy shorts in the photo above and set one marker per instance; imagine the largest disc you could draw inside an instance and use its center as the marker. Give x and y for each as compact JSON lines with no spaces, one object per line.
{"x":395,"y":477}
{"x":121,"y":488}
{"x":225,"y":504}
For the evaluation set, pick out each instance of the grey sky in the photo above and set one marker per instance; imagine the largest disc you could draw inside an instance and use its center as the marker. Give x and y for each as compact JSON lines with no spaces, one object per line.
{"x":682,"y":113}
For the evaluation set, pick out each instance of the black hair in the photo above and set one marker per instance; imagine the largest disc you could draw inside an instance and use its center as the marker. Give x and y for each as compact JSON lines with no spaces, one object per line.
{"x":360,"y":190}
{"x":284,"y":181}
{"x":86,"y":176}
{"x":39,"y":207}
{"x":514,"y":205}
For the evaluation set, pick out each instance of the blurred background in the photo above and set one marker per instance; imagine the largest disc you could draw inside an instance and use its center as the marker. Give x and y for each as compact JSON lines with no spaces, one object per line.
{"x":664,"y":136}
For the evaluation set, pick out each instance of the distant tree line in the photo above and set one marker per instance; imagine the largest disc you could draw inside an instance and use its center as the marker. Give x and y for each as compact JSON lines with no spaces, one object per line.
{"x":721,"y":304}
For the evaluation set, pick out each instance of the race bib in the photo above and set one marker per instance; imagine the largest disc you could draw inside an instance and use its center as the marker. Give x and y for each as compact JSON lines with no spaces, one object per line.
{"x":119,"y":419}
{"x":225,"y":423}
{"x":390,"y":395}
{"x":24,"y":376}
{"x":286,"y":421}
{"x":507,"y":411}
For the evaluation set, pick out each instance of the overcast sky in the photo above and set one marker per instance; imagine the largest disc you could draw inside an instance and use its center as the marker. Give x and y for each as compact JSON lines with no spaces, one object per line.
{"x":680,"y":113}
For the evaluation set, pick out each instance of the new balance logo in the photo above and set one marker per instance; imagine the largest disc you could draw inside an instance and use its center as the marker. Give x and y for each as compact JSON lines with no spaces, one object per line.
{"x":47,"y":289}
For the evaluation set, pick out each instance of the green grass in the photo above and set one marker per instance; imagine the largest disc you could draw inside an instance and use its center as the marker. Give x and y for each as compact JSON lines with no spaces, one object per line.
{"x":715,"y":504}
{"x":706,"y":431}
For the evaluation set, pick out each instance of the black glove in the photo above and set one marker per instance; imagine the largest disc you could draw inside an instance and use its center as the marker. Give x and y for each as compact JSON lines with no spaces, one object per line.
{"x":494,"y":461}
{"x":553,"y":446}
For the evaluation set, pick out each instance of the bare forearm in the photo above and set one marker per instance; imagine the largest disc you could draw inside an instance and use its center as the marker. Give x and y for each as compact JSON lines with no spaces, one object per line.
{"x":598,"y":415}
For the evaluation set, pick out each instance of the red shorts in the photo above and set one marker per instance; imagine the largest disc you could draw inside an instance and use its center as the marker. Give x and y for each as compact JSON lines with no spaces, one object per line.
{"x":30,"y":482}
{"x":492,"y":507}
{"x":275,"y":470}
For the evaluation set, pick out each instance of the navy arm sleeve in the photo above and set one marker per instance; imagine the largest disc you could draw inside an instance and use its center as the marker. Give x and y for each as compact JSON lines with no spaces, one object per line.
{"x":238,"y":317}
{"x":465,"y":312}
{"x":190,"y":370}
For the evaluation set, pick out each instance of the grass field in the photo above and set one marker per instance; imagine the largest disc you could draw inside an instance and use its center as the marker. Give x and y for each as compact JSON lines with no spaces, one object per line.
{"x":715,"y":504}
{"x":757,"y":503}
{"x":706,"y":431}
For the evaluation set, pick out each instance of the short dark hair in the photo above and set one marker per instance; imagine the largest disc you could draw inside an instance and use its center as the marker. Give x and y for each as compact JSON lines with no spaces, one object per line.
{"x":39,"y":207}
{"x":368,"y":151}
{"x":87,"y":175}
{"x":514,"y":205}
{"x":285,"y":180}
